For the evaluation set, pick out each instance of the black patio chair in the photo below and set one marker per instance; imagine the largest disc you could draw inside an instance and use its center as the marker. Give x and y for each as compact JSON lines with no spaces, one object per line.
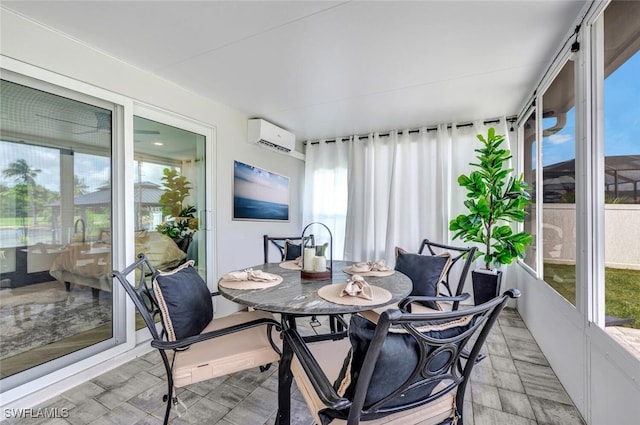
{"x":287,"y":246}
{"x":430,"y":271}
{"x":406,"y":369}
{"x":192,"y":344}
{"x":459,"y":255}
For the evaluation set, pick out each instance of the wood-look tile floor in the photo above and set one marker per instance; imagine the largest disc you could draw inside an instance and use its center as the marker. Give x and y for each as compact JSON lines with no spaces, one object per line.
{"x":513,"y":385}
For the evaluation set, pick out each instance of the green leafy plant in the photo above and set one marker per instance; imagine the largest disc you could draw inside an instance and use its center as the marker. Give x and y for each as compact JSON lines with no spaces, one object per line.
{"x":495,"y":198}
{"x":181,"y":226}
{"x":177,"y":188}
{"x":181,"y":220}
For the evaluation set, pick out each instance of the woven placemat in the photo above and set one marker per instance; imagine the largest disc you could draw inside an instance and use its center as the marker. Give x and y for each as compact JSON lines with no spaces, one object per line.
{"x":249,"y":284}
{"x":332,"y":292}
{"x":375,"y":273}
{"x":290,"y":265}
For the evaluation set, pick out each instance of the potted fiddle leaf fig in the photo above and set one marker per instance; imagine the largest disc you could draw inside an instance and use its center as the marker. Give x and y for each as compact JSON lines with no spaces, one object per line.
{"x":181,"y":221}
{"x":495,"y":199}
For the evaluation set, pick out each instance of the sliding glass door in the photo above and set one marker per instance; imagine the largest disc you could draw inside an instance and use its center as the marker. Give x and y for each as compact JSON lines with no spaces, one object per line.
{"x":169,"y":193}
{"x":55,"y":218}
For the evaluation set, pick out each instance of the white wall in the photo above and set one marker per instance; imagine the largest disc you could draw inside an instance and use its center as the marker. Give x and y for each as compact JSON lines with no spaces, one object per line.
{"x":622,"y":231}
{"x":238,"y":244}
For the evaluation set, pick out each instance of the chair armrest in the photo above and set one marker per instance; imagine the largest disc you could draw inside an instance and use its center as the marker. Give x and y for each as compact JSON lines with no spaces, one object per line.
{"x":402,"y":305}
{"x":314,"y":372}
{"x":184,"y":343}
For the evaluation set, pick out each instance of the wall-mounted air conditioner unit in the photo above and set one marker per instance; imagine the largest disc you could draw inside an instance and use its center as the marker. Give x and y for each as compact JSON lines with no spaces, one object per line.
{"x":266,"y":134}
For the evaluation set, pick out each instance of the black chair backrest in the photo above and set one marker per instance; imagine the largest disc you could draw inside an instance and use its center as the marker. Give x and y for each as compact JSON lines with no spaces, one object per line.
{"x":141,"y":292}
{"x":457,"y":253}
{"x":440,"y":359}
{"x":279,"y":242}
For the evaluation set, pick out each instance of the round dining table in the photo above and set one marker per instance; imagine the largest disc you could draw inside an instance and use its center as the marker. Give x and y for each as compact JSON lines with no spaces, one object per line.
{"x":296,"y":296}
{"x":299,"y":296}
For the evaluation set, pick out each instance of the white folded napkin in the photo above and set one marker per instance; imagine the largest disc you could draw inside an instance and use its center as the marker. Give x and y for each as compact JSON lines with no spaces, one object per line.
{"x":250,"y":274}
{"x":370,"y":266}
{"x":357,"y":287}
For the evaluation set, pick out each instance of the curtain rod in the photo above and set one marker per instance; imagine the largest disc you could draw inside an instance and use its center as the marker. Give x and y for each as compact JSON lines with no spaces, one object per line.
{"x":511,"y":119}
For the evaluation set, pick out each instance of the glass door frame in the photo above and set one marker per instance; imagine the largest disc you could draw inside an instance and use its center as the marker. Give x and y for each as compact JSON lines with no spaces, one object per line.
{"x":207,"y":222}
{"x":41,"y":376}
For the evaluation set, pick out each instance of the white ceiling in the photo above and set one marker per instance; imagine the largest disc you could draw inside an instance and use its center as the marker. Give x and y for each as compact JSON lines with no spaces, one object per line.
{"x":326,"y":69}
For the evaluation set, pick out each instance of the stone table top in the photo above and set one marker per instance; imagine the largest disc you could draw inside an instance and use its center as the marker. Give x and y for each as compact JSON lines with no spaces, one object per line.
{"x":300,"y":296}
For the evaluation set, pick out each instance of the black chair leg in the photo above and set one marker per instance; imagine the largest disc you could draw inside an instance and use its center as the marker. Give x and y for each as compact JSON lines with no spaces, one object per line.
{"x":285,"y":378}
{"x":169,"y":401}
{"x":264,"y":368}
{"x":335,"y":325}
{"x":332,"y":324}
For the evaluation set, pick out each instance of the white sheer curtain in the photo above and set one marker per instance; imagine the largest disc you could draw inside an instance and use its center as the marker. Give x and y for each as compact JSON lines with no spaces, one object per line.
{"x":325,"y":189}
{"x":401,"y":187}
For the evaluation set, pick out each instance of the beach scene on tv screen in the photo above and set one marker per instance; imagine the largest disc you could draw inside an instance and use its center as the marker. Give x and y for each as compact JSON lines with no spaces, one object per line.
{"x":259,"y":194}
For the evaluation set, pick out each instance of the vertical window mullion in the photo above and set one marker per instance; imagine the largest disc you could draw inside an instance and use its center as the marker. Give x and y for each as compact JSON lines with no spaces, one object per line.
{"x":584,"y":183}
{"x":596,"y":305}
{"x":539,"y":190}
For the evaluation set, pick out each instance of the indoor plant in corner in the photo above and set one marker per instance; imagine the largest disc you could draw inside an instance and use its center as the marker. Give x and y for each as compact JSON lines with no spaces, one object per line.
{"x":495,"y":199}
{"x":181,"y":221}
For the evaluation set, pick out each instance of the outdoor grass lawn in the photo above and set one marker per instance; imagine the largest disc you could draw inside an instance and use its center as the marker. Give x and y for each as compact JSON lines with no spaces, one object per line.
{"x":622,"y":289}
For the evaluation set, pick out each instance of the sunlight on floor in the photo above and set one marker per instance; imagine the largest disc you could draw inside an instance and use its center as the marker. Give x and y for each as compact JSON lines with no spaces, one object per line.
{"x":628,"y":338}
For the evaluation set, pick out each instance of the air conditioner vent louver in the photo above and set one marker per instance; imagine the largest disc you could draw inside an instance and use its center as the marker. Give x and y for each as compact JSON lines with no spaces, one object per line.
{"x":270,"y":136}
{"x":274,"y":146}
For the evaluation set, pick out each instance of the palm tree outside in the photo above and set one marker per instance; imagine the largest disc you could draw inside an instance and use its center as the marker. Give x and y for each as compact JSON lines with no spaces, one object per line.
{"x":25,"y":178}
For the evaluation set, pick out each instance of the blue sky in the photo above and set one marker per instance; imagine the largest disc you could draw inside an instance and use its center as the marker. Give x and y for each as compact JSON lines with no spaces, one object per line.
{"x":622,"y":109}
{"x":94,"y":170}
{"x":621,"y":118}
